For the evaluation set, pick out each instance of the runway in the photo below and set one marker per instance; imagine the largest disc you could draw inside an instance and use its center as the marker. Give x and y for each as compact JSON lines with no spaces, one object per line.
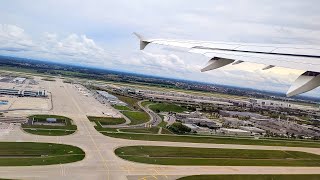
{"x":100,"y":161}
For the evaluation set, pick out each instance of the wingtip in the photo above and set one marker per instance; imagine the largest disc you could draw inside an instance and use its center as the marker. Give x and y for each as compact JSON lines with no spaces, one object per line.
{"x":304,"y":83}
{"x":138,"y":36}
{"x":143,"y":41}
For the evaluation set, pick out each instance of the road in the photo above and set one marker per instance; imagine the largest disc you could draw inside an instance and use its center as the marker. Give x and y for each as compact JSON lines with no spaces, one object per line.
{"x":101,"y":162}
{"x":155,"y":119}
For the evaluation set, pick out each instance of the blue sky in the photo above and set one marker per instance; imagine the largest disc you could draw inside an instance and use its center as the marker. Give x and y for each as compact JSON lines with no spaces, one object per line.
{"x":99,"y":33}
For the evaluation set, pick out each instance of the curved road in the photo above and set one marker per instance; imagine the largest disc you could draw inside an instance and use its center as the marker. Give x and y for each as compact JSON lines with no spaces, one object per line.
{"x":155,"y":119}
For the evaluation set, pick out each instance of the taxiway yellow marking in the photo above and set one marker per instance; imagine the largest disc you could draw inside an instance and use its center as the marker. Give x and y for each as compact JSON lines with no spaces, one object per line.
{"x":94,"y":143}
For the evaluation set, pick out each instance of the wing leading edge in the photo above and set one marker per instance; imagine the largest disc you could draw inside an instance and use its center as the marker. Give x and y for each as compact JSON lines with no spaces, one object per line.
{"x":305,"y":58}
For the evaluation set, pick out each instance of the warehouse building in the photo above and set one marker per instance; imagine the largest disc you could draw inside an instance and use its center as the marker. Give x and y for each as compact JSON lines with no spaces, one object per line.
{"x":253,"y":130}
{"x":19,"y":80}
{"x":270,"y":103}
{"x":14,"y":92}
{"x":111,"y":98}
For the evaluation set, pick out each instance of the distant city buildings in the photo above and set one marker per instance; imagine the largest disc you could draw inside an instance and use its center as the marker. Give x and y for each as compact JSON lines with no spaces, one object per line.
{"x":270,"y":103}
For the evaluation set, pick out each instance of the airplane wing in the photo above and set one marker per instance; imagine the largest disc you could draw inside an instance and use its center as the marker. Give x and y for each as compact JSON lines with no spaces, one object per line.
{"x":302,"y":57}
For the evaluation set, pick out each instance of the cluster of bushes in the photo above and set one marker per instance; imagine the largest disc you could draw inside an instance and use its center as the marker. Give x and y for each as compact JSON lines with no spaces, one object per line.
{"x":179,"y":128}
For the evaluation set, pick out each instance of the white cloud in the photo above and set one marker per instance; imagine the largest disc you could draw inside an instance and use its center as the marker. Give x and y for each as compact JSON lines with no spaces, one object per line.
{"x":13,"y":38}
{"x":74,"y":48}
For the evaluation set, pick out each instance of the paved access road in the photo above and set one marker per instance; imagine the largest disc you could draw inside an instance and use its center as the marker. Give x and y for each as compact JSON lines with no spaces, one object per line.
{"x":155,"y":119}
{"x":100,"y":161}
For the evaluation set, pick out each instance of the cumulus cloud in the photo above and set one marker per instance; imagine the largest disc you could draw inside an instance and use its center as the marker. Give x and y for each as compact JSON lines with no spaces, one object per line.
{"x":78,"y":49}
{"x":13,"y":38}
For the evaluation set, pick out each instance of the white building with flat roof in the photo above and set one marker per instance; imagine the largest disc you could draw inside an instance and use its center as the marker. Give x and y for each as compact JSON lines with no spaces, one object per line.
{"x":19,"y":80}
{"x":111,"y":98}
{"x":271,"y":103}
{"x":253,"y":130}
{"x":239,"y":132}
{"x":282,"y":104}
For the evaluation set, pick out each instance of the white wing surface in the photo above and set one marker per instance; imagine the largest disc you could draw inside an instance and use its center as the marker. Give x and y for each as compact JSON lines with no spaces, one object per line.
{"x":302,"y":57}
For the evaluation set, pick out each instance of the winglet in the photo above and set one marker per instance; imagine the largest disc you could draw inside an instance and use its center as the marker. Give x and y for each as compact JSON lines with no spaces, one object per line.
{"x":143,"y":42}
{"x":306,"y":82}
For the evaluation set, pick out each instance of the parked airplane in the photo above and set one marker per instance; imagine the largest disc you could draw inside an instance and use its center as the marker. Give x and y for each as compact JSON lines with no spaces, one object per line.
{"x":302,"y":57}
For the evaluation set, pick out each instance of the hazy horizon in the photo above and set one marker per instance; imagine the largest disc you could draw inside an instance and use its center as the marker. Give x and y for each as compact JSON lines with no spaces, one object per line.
{"x":157,"y":76}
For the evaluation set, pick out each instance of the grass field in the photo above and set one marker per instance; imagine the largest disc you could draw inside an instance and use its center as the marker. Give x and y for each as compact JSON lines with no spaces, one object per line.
{"x":136,"y":117}
{"x":99,"y":128}
{"x":122,"y":108}
{"x":166,"y":131}
{"x":68,"y":81}
{"x":50,"y":130}
{"x":107,"y":120}
{"x":30,"y":153}
{"x":211,"y":139}
{"x":166,"y":155}
{"x":254,"y":177}
{"x":48,"y":79}
{"x":132,"y":102}
{"x":152,"y":130}
{"x":166,"y":107}
{"x":144,"y":103}
{"x":163,"y":124}
{"x":102,"y":129}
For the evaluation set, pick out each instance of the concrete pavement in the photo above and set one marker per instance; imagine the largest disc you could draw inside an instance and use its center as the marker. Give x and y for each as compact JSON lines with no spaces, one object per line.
{"x":101,"y":162}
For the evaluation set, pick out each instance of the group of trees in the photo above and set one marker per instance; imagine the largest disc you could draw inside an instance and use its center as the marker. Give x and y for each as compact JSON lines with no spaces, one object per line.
{"x":179,"y":128}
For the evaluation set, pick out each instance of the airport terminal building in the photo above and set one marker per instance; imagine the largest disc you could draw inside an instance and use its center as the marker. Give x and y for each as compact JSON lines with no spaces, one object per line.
{"x":23,"y":93}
